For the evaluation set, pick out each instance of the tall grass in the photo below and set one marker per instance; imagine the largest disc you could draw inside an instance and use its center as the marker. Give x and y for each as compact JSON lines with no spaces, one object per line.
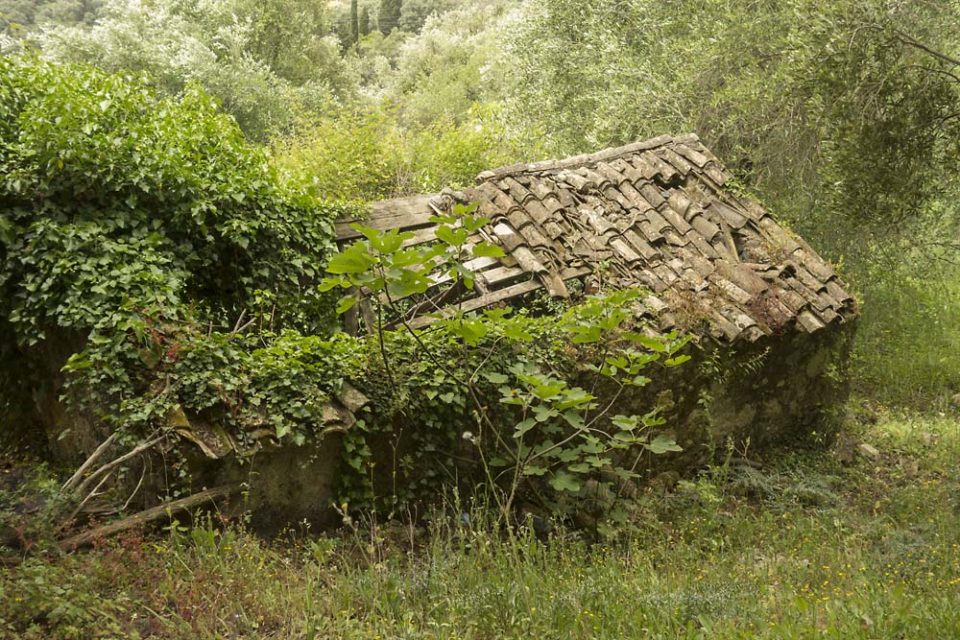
{"x":806,"y":547}
{"x":908,"y":343}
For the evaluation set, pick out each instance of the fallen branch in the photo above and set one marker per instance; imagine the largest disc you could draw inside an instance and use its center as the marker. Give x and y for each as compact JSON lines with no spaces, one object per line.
{"x":75,"y":478}
{"x":144,"y":517}
{"x":69,"y":519}
{"x":140,"y":448}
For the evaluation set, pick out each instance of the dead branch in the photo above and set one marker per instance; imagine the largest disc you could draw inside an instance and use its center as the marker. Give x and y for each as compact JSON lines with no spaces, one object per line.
{"x":75,"y":478}
{"x":83,"y":503}
{"x":140,"y":448}
{"x":236,"y":327}
{"x":136,"y":490}
{"x":146,"y":516}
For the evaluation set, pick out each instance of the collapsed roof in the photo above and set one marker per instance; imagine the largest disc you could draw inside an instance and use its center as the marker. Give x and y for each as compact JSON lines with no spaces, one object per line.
{"x":658,"y":214}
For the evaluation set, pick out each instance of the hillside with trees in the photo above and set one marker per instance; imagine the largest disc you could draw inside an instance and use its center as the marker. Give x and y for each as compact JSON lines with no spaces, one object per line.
{"x":203,"y":314}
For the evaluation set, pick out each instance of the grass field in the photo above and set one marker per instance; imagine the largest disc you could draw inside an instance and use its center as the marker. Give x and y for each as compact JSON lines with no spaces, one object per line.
{"x":806,"y":546}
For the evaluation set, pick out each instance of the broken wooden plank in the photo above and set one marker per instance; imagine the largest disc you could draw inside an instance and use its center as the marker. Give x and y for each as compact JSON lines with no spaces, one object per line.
{"x":400,"y":213}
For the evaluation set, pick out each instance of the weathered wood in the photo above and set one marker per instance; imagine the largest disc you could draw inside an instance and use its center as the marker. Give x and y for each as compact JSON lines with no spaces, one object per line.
{"x":500,"y":274}
{"x":390,"y":214}
{"x":369,"y":318}
{"x":351,"y":321}
{"x":147,"y":516}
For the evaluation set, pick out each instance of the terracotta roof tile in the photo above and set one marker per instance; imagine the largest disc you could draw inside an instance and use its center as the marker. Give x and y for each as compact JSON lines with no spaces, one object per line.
{"x":653,"y":213}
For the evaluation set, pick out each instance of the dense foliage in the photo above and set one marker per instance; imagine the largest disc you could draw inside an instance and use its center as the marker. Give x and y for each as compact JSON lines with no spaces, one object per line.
{"x":265,"y":62}
{"x":127,"y":216}
{"x":847,"y":108}
{"x":558,"y":445}
{"x":165,"y":224}
{"x":139,"y":222}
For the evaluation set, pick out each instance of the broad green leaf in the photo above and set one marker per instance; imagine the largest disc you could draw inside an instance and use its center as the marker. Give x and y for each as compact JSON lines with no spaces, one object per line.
{"x":654,"y":344}
{"x":626,"y":423}
{"x":487,"y":250}
{"x":346,"y":303}
{"x":451,"y":236}
{"x":549,"y":389}
{"x":328,"y":284}
{"x":663,"y":444}
{"x":495,"y":378}
{"x":534,"y":470}
{"x":574,"y":419}
{"x":516,"y":332}
{"x":586,"y":334}
{"x":368,"y":232}
{"x":675,"y":362}
{"x":563,"y":481}
{"x":523,"y":427}
{"x":542,"y":413}
{"x":354,"y":259}
{"x":472,"y":331}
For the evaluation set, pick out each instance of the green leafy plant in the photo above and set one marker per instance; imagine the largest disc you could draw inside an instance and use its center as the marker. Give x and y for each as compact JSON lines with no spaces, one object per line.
{"x":152,"y":259}
{"x":548,"y":435}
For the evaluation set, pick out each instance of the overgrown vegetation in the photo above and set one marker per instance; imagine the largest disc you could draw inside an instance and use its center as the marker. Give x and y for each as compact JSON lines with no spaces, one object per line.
{"x":804,"y":546}
{"x":551,"y":442}
{"x":130,"y":221}
{"x":169,"y":174}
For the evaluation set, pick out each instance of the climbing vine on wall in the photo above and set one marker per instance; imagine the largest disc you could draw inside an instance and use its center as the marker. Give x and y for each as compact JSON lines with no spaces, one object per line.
{"x":144,"y":235}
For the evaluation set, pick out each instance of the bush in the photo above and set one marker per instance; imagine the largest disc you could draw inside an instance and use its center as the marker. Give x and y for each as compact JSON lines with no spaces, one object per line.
{"x":908,"y":347}
{"x":121,"y":210}
{"x":368,"y":156}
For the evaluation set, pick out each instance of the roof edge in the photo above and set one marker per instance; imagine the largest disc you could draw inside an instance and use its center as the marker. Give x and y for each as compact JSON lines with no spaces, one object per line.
{"x":584,"y":159}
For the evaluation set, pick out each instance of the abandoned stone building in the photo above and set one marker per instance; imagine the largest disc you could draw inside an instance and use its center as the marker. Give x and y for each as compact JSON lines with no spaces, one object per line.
{"x":661,"y":214}
{"x":771,"y":319}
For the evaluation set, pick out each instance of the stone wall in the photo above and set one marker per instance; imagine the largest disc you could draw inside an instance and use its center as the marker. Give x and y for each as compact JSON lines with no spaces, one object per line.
{"x":780,"y":390}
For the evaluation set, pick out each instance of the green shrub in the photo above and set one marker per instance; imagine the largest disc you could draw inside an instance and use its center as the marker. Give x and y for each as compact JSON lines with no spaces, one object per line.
{"x":908,"y":346}
{"x":121,"y":211}
{"x":369,"y":156}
